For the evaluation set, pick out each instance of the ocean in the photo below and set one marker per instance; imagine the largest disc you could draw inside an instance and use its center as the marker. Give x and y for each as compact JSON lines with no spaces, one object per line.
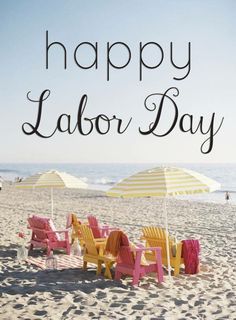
{"x":104,"y":176}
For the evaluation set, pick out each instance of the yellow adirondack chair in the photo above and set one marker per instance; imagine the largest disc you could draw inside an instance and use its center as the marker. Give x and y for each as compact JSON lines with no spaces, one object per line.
{"x":73,"y":223}
{"x":76,"y":233}
{"x":94,"y":252}
{"x":156,"y":237}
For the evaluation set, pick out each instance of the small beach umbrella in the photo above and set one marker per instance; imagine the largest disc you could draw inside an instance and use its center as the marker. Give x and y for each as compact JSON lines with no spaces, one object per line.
{"x":163,"y":182}
{"x":51,"y":179}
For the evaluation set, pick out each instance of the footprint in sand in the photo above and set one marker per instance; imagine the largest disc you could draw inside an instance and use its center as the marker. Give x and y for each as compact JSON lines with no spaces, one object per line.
{"x":138,"y":307}
{"x":179,"y":302}
{"x":18,"y":306}
{"x":126,"y":300}
{"x":78,"y":312}
{"x":40,"y":313}
{"x":101,"y":295}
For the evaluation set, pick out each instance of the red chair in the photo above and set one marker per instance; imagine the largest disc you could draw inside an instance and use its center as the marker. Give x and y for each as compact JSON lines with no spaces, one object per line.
{"x":99,"y":231}
{"x":129,"y":260}
{"x":45,"y":235}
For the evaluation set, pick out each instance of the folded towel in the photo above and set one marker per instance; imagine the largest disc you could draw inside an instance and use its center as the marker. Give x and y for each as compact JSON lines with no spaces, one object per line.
{"x":190,"y":254}
{"x":114,"y":242}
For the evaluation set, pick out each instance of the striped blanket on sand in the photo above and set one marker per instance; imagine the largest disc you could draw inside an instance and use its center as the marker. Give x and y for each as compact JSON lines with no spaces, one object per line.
{"x":63,"y":261}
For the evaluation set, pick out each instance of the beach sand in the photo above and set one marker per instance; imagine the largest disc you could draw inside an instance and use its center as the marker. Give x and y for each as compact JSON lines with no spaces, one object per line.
{"x":27,"y":292}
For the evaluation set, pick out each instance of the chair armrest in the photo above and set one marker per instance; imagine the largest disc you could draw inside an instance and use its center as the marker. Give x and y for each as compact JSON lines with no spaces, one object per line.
{"x":58,"y":231}
{"x":140,"y":245}
{"x":100,"y":244}
{"x":113,"y":228}
{"x":99,"y":227}
{"x":45,"y":231}
{"x":105,"y":226}
{"x":37,"y":229}
{"x":108,"y":227}
{"x":98,"y":240}
{"x":101,"y":248}
{"x":147,"y":249}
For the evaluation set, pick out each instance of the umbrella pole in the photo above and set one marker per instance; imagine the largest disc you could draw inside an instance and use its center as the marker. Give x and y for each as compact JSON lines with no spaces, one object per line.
{"x":167,"y":240}
{"x":52,"y":203}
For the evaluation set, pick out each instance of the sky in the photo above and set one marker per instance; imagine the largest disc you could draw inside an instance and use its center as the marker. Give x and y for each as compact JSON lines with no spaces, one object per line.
{"x":208,"y":89}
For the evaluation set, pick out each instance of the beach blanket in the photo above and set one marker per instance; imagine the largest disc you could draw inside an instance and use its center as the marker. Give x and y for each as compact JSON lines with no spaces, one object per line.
{"x":63,"y":261}
{"x":190,"y":254}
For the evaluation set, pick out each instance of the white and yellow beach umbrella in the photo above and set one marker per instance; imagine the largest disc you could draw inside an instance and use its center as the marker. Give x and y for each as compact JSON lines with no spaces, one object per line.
{"x":163,"y":182}
{"x":51,"y":179}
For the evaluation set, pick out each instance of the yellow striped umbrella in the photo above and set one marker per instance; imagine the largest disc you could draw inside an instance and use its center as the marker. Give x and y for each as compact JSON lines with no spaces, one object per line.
{"x":51,"y":179}
{"x":163,"y":182}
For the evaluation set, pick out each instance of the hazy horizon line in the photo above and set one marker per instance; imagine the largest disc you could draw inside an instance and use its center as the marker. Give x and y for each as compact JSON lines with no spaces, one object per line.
{"x":128,"y":162}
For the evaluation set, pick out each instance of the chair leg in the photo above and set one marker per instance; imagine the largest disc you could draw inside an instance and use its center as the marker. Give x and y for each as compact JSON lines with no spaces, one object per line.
{"x":160,"y":276}
{"x":30,"y":248}
{"x":99,"y":268}
{"x":48,"y":250}
{"x":177,"y":260}
{"x":176,"y":269}
{"x":85,"y":265}
{"x":135,"y":279}
{"x":68,"y":249}
{"x":107,"y":273}
{"x":117,"y":275}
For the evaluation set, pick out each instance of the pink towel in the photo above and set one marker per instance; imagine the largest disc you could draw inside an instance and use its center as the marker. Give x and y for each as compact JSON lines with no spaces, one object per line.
{"x":190,"y":254}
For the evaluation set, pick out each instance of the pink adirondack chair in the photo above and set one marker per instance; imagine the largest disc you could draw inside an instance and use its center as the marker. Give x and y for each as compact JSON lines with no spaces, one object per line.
{"x":129,"y":260}
{"x":45,"y":235}
{"x":99,"y":231}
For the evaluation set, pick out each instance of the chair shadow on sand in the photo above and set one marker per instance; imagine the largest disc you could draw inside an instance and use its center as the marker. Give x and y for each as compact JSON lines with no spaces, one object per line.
{"x":23,"y":278}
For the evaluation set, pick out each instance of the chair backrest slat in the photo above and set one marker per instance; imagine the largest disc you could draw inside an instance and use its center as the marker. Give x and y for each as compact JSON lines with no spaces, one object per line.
{"x":92,"y":220}
{"x":93,"y":223}
{"x":156,"y":237}
{"x":39,"y":226}
{"x":88,"y":239}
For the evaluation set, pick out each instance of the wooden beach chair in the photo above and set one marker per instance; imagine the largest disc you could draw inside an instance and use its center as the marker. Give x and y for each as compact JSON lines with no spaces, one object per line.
{"x":129,"y":259}
{"x":99,"y":231}
{"x":94,"y":252}
{"x":156,"y":237}
{"x":45,"y":235}
{"x":74,"y":223}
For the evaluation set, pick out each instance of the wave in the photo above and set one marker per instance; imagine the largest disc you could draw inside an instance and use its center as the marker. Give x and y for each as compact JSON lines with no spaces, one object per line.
{"x":103,"y":181}
{"x":84,"y":179}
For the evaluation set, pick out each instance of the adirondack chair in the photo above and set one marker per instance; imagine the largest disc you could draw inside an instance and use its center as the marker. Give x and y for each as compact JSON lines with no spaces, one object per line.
{"x":94,"y":252}
{"x":74,"y":223}
{"x":98,"y":231}
{"x":45,"y":235}
{"x":155,"y":236}
{"x":129,"y":258}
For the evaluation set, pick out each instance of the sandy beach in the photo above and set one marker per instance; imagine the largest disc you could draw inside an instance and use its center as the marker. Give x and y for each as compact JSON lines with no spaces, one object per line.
{"x":27,"y":292}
